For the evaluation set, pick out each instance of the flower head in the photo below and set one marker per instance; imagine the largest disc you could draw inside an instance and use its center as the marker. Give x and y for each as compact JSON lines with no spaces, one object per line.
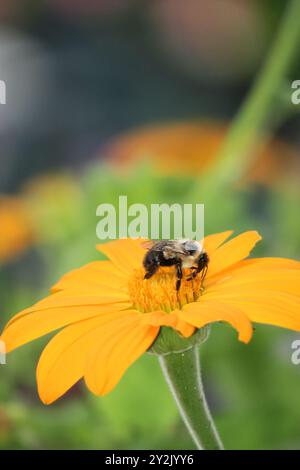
{"x":109,"y":315}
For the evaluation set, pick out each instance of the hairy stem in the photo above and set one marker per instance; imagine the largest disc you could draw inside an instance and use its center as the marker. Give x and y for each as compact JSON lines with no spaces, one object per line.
{"x":182,"y":373}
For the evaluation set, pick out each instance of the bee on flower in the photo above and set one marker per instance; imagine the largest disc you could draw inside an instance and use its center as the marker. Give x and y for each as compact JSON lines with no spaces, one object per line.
{"x":109,"y":315}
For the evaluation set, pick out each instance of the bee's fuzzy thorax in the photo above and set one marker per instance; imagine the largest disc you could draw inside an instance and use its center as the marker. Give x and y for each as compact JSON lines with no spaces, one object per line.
{"x":188,"y":261}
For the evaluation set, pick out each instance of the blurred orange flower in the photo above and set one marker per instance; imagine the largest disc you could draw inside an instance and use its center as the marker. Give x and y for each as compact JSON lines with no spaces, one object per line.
{"x":192,"y":147}
{"x":112,"y":315}
{"x":16,"y":228}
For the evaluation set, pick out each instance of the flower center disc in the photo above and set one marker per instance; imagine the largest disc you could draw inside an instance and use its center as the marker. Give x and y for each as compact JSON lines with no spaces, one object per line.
{"x":159,"y":292}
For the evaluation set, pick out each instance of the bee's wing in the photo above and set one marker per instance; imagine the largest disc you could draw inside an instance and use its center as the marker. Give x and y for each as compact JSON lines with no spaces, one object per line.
{"x":172,"y":247}
{"x":147,"y":244}
{"x":178,"y":248}
{"x":158,"y":245}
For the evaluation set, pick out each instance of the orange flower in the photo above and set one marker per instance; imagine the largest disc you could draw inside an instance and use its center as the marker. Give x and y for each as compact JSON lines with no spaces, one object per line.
{"x":16,"y":228}
{"x":192,"y":147}
{"x":112,"y":315}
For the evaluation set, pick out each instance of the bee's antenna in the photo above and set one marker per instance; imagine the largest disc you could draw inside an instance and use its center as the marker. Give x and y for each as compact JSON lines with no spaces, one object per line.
{"x":203,"y":274}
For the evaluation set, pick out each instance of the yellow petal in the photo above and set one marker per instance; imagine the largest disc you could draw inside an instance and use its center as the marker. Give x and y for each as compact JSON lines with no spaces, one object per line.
{"x":99,"y":274}
{"x":62,"y":362}
{"x":268,"y":263}
{"x":212,"y":242}
{"x":172,"y":320}
{"x":244,"y":281}
{"x":30,"y":326}
{"x":68,"y":299}
{"x":126,"y":254}
{"x":205,"y":312}
{"x":232,"y":252}
{"x":271,"y":307}
{"x":70,"y":288}
{"x":119,"y":346}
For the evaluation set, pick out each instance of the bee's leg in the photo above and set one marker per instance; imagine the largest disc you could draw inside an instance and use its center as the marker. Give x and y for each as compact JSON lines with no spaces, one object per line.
{"x":193,"y":274}
{"x":179,"y":276}
{"x":201,"y":266}
{"x":204,"y":271}
{"x":151,"y":270}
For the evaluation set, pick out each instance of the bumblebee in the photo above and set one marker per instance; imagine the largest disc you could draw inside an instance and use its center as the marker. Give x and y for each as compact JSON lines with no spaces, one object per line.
{"x":178,"y":253}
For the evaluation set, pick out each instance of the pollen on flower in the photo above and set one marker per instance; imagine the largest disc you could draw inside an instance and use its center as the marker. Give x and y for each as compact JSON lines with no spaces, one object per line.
{"x":159,"y":292}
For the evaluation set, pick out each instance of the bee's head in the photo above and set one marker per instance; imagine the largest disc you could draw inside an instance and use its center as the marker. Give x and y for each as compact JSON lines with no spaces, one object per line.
{"x":192,"y":247}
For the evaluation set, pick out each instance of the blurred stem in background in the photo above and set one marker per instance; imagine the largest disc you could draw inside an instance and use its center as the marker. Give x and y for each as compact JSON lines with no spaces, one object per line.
{"x":256,"y":116}
{"x":258,"y":112}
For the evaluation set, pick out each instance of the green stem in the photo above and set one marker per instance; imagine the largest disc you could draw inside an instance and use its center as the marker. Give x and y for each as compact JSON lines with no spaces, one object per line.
{"x":258,"y":109}
{"x":182,"y":373}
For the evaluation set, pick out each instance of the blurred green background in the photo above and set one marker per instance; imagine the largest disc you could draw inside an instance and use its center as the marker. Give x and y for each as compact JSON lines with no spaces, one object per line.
{"x":124,"y":97}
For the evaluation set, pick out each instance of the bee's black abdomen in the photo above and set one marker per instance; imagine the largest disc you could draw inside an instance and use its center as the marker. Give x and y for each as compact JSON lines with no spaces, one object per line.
{"x":167,"y":262}
{"x":157,"y":258}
